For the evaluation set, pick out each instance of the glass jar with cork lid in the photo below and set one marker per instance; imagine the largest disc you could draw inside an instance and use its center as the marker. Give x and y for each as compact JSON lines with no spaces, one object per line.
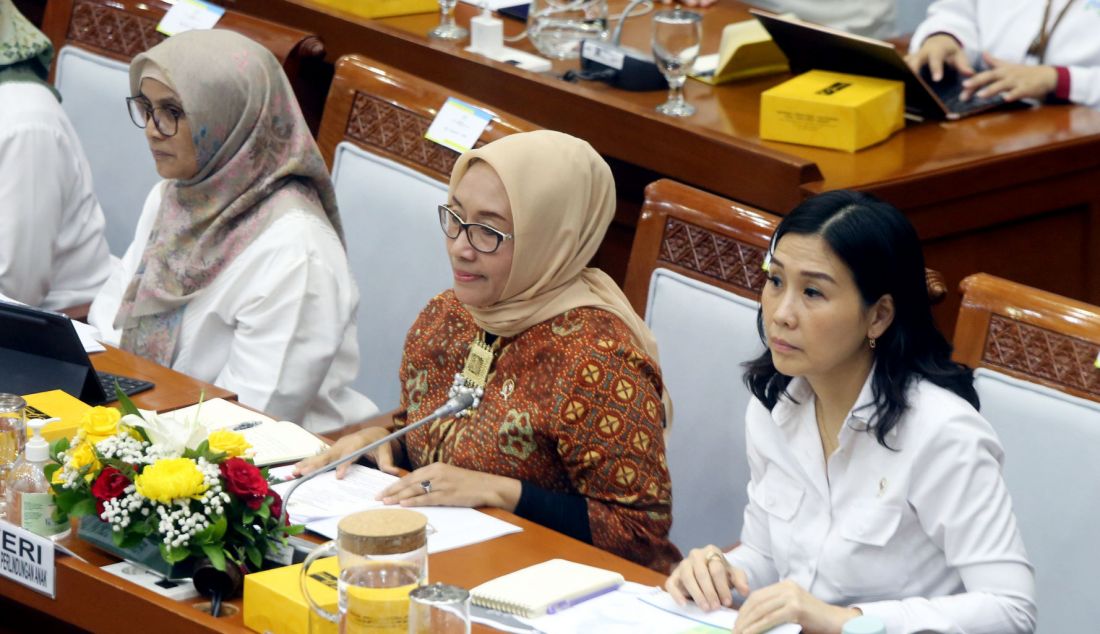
{"x":382,"y":556}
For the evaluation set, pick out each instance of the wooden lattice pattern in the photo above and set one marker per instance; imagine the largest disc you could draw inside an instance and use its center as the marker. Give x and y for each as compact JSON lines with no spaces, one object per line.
{"x":712,"y":254}
{"x":111,"y":29}
{"x":397,"y":131}
{"x":1041,"y":353}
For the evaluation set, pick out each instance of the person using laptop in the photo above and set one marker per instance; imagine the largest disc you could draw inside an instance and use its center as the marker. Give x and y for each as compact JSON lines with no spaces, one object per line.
{"x":876,"y":486}
{"x":52,"y":250}
{"x":237,"y":274}
{"x":1031,"y":49}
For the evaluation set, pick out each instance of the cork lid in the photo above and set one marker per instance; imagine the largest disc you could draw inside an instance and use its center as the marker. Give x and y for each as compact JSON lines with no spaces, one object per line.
{"x":383,"y":531}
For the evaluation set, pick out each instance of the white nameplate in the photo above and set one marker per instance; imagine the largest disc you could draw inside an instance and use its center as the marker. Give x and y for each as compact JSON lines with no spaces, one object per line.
{"x":190,"y":15}
{"x":609,"y":56}
{"x":458,"y":125}
{"x":27,"y":559}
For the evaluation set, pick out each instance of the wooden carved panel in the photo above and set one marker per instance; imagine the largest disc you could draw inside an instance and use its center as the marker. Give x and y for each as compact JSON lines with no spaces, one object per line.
{"x":1056,"y":358}
{"x":712,"y":254}
{"x":112,"y":29}
{"x":397,"y":131}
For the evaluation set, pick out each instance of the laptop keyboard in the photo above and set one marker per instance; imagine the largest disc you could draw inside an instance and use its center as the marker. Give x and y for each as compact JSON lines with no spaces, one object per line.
{"x":951,"y":99}
{"x":128,"y":385}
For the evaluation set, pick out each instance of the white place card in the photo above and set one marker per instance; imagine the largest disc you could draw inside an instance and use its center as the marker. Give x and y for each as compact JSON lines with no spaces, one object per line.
{"x":458,"y":125}
{"x":190,"y":15}
{"x":27,"y":559}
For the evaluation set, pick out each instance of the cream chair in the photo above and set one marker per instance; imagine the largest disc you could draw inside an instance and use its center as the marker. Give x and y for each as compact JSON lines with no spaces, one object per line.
{"x":389,"y":182}
{"x":1039,"y":387}
{"x":695,"y":274}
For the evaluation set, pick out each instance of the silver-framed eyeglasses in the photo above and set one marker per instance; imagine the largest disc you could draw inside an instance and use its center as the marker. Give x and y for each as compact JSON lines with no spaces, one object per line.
{"x":482,"y":238}
{"x":165,"y":118}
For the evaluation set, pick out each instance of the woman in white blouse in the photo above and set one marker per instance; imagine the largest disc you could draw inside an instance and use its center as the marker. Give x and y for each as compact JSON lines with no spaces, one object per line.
{"x":875,"y":485}
{"x":237,"y":274}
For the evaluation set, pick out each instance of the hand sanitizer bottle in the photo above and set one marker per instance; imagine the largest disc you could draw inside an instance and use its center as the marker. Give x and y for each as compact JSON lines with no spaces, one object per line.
{"x":29,"y":502}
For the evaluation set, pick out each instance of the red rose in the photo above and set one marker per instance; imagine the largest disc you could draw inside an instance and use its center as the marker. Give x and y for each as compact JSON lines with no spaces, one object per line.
{"x":110,"y":484}
{"x":277,"y":506}
{"x":245,"y":481}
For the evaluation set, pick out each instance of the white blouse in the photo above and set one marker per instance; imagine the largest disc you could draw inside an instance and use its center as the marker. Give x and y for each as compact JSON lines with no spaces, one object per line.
{"x":872,"y":18}
{"x":277,"y":326}
{"x":1006,"y":28}
{"x":52,"y":250}
{"x":923,"y":537}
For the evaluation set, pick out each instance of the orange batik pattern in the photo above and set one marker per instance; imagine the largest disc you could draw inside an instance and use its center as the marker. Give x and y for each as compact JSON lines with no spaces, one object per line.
{"x":571,"y":405}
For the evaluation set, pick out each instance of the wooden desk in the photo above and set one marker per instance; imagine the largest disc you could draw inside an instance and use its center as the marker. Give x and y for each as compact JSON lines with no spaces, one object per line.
{"x":997,"y":192}
{"x":173,"y":390}
{"x":84,"y":591}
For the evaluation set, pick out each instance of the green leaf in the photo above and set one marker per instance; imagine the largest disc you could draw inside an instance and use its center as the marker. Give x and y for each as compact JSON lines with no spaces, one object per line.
{"x":129,"y":539}
{"x":215,"y":554}
{"x":295,"y":529}
{"x":265,"y":510}
{"x":173,"y":554}
{"x":58,"y":447}
{"x":49,"y":470}
{"x":85,"y":506}
{"x":220,"y":525}
{"x":254,"y":556}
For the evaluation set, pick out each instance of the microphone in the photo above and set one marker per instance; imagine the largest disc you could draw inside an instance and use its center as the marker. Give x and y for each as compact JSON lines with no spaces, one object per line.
{"x":463,"y":399}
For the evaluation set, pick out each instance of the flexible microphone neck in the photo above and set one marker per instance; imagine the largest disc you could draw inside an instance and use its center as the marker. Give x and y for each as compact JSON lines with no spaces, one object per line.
{"x":460,"y":402}
{"x":617,"y":35}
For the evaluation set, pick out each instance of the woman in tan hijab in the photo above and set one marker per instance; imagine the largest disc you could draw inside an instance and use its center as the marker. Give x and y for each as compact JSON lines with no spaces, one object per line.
{"x":568,"y":432}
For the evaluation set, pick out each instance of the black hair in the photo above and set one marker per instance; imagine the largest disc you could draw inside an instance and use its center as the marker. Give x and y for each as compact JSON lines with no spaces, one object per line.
{"x":881,"y":249}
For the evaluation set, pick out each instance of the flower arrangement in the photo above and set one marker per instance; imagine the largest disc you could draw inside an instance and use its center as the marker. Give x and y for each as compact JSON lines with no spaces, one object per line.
{"x":194,"y":492}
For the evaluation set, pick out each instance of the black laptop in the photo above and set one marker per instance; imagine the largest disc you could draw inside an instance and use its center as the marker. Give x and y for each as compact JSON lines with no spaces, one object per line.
{"x":41,"y":351}
{"x":813,"y":47}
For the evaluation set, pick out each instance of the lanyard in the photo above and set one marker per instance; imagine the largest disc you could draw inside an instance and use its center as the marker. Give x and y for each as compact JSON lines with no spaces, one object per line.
{"x":1038,"y":47}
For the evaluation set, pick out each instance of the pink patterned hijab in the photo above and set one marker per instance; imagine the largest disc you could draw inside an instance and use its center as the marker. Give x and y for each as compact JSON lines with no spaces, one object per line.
{"x":257,"y":161}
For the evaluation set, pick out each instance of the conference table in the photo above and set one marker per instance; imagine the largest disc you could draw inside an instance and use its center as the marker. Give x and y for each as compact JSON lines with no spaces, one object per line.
{"x":998,"y":192}
{"x":90,"y":599}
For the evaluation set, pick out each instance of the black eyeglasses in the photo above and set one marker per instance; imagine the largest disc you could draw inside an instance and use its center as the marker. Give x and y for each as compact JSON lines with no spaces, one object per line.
{"x":165,"y":118}
{"x":483,"y":238}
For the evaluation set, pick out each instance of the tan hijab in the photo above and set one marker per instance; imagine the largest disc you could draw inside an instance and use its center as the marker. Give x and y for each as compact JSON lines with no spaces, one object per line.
{"x":563,"y":199}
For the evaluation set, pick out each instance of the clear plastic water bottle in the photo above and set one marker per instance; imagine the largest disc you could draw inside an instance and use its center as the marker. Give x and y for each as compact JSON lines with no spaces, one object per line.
{"x":556,"y":27}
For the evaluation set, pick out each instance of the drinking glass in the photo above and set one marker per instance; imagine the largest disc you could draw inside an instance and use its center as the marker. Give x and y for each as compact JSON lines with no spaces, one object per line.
{"x":13,"y":437}
{"x":439,"y":609}
{"x":447,"y":29}
{"x":676,"y":37}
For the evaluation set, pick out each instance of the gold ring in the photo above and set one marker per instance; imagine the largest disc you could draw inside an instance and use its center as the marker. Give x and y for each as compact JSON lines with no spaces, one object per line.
{"x":718,"y":556}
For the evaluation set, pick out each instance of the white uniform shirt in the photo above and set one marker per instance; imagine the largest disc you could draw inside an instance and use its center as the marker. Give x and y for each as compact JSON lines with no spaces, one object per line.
{"x":923,"y":537}
{"x":277,"y":326}
{"x":52,"y":250}
{"x":873,"y":18}
{"x":1006,"y":28}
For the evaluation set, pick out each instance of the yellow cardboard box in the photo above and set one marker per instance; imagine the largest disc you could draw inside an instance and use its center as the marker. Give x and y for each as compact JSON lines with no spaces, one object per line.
{"x":273,"y":600}
{"x":57,"y":404}
{"x":382,"y":8}
{"x":833,"y":110}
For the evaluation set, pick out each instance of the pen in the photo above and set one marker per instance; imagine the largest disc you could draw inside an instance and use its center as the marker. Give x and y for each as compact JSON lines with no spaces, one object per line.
{"x":568,"y":603}
{"x":248,"y":424}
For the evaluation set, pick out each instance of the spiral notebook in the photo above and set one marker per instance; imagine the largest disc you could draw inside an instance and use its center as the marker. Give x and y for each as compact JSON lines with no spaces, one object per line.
{"x":545,"y":588}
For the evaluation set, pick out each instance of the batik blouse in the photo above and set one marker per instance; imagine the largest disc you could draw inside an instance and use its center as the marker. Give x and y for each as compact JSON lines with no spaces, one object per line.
{"x":571,"y":408}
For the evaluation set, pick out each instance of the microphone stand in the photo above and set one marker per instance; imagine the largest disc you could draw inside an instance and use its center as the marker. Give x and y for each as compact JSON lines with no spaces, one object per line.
{"x":463,"y":399}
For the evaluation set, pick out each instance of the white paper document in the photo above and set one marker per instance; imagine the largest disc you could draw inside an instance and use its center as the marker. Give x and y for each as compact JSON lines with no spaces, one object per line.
{"x":458,"y":125}
{"x":323,"y":501}
{"x":190,"y":15}
{"x":496,"y":5}
{"x":638,"y":609}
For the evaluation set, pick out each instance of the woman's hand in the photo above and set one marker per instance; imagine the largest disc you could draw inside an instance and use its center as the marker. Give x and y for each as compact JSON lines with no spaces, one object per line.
{"x":706,"y":577}
{"x":1013,"y":81}
{"x":382,"y":456}
{"x":788,"y":602}
{"x":441,"y":484}
{"x":939,"y":50}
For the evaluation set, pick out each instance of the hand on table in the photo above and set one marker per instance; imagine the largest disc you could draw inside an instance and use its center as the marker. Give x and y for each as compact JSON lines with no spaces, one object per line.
{"x":448,"y":485}
{"x":788,"y":602}
{"x":1013,"y":81}
{"x":705,"y":577}
{"x":382,"y":456}
{"x":938,"y":51}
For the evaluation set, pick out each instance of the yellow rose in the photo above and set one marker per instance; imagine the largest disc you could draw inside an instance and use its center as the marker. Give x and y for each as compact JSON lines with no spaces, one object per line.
{"x":83,"y":455}
{"x":99,"y":423}
{"x":228,"y":442}
{"x":170,"y":479}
